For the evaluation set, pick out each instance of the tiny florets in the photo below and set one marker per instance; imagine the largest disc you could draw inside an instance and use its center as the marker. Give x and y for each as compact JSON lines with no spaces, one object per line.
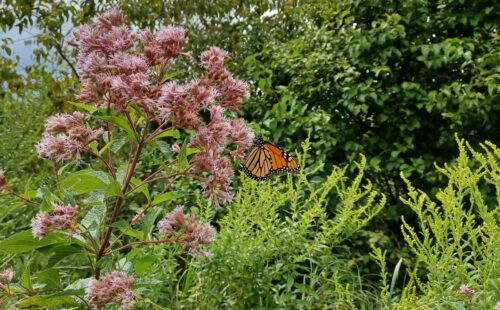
{"x":7,"y":275}
{"x":467,"y":291}
{"x":190,"y":233}
{"x":113,"y":288}
{"x":64,"y":218}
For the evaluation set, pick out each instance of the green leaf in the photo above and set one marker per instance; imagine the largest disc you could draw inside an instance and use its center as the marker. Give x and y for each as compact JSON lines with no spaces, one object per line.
{"x":163,"y":146}
{"x":93,"y":220}
{"x":171,"y":75}
{"x":133,"y":233}
{"x":119,"y":141}
{"x":108,"y":115}
{"x":114,"y":189}
{"x":26,"y":277}
{"x":120,"y":224}
{"x":192,"y":150}
{"x":24,"y":242}
{"x":105,"y":148}
{"x":169,"y":133}
{"x":142,"y":189}
{"x":142,"y":264}
{"x":47,"y":302}
{"x":59,"y":252}
{"x":83,"y":106}
{"x":50,"y":277}
{"x":95,"y":197}
{"x":167,"y":196}
{"x":375,"y":161}
{"x":93,"y":146}
{"x":182,"y":158}
{"x":82,"y":182}
{"x":149,"y":219}
{"x":68,"y":198}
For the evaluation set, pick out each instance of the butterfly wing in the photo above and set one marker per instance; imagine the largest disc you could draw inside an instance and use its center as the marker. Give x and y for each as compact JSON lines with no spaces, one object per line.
{"x":258,"y":165}
{"x":281,"y":160}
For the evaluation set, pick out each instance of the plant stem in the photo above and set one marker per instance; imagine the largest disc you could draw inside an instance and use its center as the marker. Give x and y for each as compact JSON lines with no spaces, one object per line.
{"x":119,"y":201}
{"x":56,"y":171}
{"x":142,"y":242}
{"x":23,"y":199}
{"x":148,"y":179}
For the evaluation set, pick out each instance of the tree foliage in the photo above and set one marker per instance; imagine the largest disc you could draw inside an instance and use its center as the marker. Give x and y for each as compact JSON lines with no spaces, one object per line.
{"x":391,"y":79}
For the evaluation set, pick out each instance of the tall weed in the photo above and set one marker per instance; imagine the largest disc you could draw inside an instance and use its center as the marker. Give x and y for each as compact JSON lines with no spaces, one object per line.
{"x":457,"y":244}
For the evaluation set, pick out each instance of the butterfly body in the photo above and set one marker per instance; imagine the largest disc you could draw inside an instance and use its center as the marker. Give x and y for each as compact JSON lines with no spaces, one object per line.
{"x":266,"y":159}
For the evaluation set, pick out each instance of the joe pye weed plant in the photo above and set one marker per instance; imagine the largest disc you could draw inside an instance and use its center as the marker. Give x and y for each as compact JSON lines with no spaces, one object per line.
{"x":128,"y":101}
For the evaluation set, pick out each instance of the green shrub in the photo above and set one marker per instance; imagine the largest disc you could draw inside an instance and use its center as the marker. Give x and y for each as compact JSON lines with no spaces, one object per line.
{"x":457,"y":241}
{"x":393,"y":80}
{"x":279,"y":248}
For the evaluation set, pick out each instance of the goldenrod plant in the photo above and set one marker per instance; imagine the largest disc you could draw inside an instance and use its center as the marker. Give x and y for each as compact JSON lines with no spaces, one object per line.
{"x":456,"y":246}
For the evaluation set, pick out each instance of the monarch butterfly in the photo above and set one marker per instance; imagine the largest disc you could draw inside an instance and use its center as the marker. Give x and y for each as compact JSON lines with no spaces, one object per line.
{"x":266,"y":159}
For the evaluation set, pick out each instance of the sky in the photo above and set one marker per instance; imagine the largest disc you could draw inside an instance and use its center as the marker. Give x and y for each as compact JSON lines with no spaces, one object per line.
{"x":20,"y":48}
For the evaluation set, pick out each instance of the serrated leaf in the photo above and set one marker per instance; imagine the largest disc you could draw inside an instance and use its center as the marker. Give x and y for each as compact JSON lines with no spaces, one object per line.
{"x":68,"y":198}
{"x":83,"y":106}
{"x":93,"y":146}
{"x":59,"y":252}
{"x":120,"y":224}
{"x":182,"y":158}
{"x":163,"y":146}
{"x":108,"y":115}
{"x":50,"y":277}
{"x":142,"y":189}
{"x":149,"y":219}
{"x":119,"y":141}
{"x":133,"y":233}
{"x":93,"y":220}
{"x":192,"y":150}
{"x":78,"y":285}
{"x":142,"y":264}
{"x":26,"y":277}
{"x":24,"y":242}
{"x":95,"y":197}
{"x":169,"y":133}
{"x":114,"y":189}
{"x":82,"y":182}
{"x":164,"y":197}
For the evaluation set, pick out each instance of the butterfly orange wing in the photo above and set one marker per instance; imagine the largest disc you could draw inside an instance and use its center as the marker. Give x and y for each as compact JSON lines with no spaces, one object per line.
{"x":258,"y":165}
{"x":281,"y":160}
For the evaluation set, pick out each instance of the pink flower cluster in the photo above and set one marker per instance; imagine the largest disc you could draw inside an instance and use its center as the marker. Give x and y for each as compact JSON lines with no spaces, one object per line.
{"x":114,"y":76}
{"x":467,"y":291}
{"x":497,"y":307}
{"x":212,"y":140}
{"x":64,"y":218}
{"x":7,"y":276}
{"x":64,"y":134}
{"x":113,"y":288}
{"x":191,"y":233}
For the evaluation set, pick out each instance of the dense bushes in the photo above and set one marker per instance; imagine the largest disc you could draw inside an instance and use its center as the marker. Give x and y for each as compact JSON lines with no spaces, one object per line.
{"x":390,"y":79}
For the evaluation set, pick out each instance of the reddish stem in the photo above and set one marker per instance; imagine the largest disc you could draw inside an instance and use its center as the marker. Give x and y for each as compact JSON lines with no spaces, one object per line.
{"x":11,"y":192}
{"x":119,"y":201}
{"x":148,"y":179}
{"x":56,"y":171}
{"x":143,"y":242}
{"x":110,"y":154}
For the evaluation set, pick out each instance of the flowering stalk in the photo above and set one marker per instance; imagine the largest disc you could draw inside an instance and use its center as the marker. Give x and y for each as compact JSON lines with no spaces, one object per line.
{"x":130,"y":89}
